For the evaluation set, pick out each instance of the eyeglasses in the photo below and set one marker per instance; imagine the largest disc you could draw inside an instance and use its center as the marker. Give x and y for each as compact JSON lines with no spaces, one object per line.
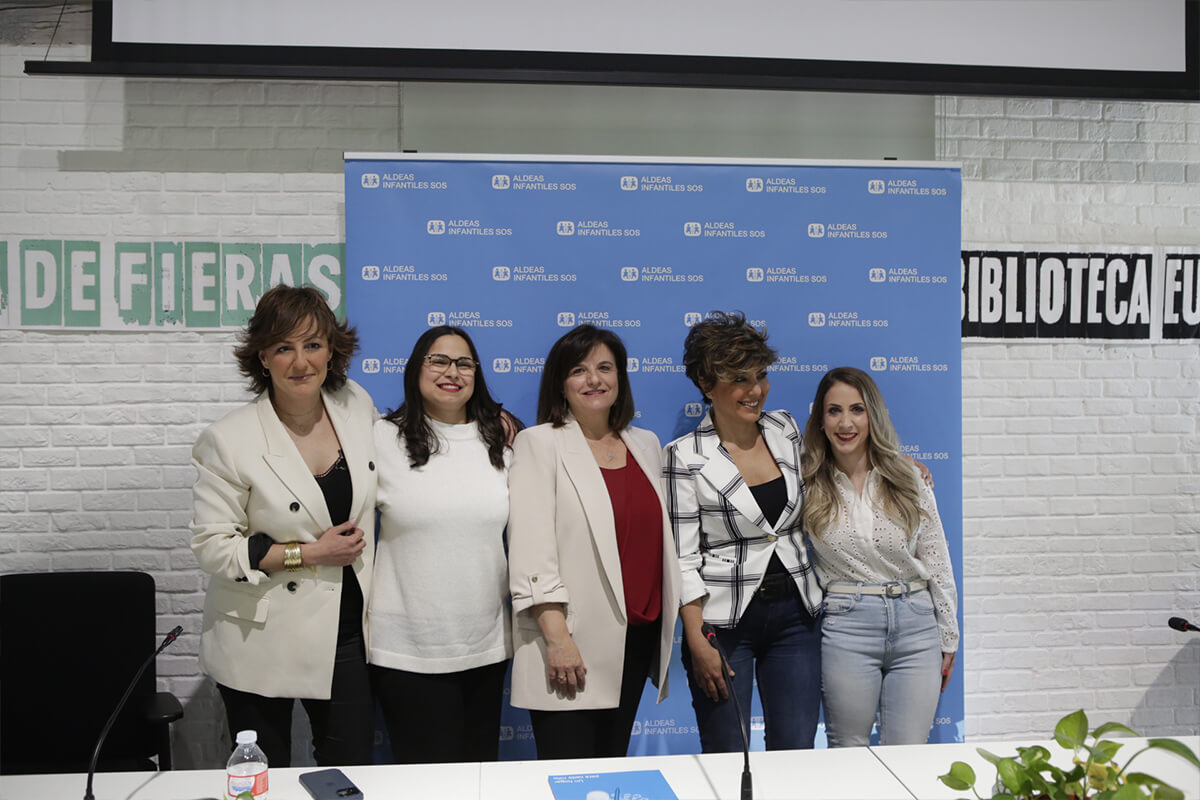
{"x":440,"y":362}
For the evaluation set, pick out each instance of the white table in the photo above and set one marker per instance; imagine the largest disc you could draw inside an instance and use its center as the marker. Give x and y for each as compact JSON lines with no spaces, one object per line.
{"x":853,"y":773}
{"x":786,"y":775}
{"x":451,"y":781}
{"x":529,"y":780}
{"x":917,"y":766}
{"x":849,"y":774}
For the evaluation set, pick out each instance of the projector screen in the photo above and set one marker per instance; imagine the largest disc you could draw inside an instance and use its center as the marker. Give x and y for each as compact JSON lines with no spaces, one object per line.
{"x":1118,"y":48}
{"x":1056,"y":34}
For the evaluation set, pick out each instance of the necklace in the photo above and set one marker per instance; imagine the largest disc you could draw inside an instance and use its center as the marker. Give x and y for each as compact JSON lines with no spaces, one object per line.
{"x":599,"y":449}
{"x":301,"y":424}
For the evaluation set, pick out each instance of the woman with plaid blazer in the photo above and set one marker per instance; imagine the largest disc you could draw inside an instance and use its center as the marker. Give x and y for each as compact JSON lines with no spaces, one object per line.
{"x":734,"y":497}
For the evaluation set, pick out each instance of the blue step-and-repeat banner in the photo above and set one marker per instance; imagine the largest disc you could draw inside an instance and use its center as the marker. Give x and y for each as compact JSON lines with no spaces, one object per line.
{"x":845,"y":263}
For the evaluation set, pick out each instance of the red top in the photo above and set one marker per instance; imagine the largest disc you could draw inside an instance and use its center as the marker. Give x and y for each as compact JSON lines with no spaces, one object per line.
{"x":638,"y":517}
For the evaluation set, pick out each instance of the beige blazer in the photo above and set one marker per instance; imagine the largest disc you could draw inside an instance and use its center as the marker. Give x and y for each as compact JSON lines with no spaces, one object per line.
{"x":275,"y":634}
{"x":563,"y":549}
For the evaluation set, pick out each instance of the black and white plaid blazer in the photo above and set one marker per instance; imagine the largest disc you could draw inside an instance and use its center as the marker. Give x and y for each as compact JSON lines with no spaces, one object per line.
{"x":724,"y":541}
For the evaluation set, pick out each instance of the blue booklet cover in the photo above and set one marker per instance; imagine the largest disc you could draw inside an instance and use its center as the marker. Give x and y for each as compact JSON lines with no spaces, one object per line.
{"x":646,"y":784}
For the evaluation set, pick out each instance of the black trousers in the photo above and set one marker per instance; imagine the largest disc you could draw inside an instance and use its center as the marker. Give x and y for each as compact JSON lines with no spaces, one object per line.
{"x":601,"y":732}
{"x":342,"y":726}
{"x":442,"y":717}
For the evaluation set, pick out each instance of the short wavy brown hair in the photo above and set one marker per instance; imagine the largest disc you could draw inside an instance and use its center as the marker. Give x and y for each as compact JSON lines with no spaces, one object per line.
{"x":282,"y":310}
{"x":723,"y":346}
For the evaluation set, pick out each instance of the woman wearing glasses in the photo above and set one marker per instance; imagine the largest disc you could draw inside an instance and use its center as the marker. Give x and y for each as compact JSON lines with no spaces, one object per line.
{"x":438,"y":619}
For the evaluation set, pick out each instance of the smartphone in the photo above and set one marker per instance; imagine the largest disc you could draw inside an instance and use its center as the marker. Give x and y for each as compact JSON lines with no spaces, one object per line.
{"x":330,"y":784}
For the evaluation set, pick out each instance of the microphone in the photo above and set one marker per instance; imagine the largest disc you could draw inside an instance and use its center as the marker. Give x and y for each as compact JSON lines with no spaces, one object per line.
{"x":710,"y":634}
{"x":1181,"y":624}
{"x":172,"y":636}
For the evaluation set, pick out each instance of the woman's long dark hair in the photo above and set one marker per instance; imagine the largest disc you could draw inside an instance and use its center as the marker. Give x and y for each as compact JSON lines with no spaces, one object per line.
{"x":496,"y":426}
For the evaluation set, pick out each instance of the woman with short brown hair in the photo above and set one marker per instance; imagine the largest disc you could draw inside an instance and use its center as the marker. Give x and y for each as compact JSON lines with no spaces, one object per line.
{"x":735,"y":496}
{"x":283,"y":523}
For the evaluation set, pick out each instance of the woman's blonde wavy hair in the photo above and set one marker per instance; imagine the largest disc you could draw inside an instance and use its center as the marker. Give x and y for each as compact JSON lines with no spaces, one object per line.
{"x":900,"y":486}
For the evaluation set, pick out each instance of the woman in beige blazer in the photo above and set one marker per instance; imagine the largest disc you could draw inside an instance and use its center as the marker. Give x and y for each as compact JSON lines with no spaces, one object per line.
{"x":592,"y":565}
{"x":284,"y":525}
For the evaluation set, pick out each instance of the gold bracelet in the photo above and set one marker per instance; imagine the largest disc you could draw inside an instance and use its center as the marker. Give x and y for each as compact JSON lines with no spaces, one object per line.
{"x":293,"y":559}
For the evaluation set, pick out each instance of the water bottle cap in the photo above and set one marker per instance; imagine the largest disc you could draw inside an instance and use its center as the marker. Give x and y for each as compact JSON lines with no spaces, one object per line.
{"x":247,"y":737}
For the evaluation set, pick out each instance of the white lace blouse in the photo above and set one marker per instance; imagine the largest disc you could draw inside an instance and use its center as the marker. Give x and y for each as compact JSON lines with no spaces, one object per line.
{"x":863,"y":546}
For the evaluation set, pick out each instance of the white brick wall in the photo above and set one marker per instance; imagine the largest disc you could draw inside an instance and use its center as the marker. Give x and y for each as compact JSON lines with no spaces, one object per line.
{"x":1081,"y":464}
{"x":96,"y":428}
{"x":1082,"y":526}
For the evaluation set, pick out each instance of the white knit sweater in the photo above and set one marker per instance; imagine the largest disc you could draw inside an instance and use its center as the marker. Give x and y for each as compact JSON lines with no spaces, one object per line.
{"x":438,"y":600}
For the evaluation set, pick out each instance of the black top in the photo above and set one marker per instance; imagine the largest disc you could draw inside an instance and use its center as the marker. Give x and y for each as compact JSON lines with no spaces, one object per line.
{"x":771,"y":498}
{"x":336,"y":486}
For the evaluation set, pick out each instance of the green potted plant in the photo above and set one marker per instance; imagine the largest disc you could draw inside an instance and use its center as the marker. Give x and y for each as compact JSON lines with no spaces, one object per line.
{"x":1093,"y":775}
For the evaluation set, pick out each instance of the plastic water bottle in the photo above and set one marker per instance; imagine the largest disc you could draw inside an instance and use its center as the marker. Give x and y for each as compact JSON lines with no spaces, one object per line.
{"x":247,"y":768}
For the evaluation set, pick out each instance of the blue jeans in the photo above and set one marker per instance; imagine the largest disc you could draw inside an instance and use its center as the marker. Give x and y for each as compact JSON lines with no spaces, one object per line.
{"x":777,"y":642}
{"x":880,"y":653}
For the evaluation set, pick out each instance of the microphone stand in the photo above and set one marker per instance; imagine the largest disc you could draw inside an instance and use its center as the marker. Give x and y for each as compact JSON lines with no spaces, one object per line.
{"x":172,"y":636}
{"x":747,"y":792}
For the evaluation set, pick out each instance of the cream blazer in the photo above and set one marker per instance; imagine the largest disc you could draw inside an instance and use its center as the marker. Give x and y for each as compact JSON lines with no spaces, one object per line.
{"x":563,"y":549}
{"x":275,"y":634}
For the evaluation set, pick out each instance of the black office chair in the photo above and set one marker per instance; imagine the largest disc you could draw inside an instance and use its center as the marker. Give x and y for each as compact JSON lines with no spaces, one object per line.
{"x":70,"y":643}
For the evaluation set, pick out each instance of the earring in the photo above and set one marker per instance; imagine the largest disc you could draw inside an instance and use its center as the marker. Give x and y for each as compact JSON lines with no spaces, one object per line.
{"x":266,"y":372}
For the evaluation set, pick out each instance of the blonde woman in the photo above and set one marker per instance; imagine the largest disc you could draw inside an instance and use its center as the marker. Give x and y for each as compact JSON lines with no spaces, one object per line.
{"x":889,"y":632}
